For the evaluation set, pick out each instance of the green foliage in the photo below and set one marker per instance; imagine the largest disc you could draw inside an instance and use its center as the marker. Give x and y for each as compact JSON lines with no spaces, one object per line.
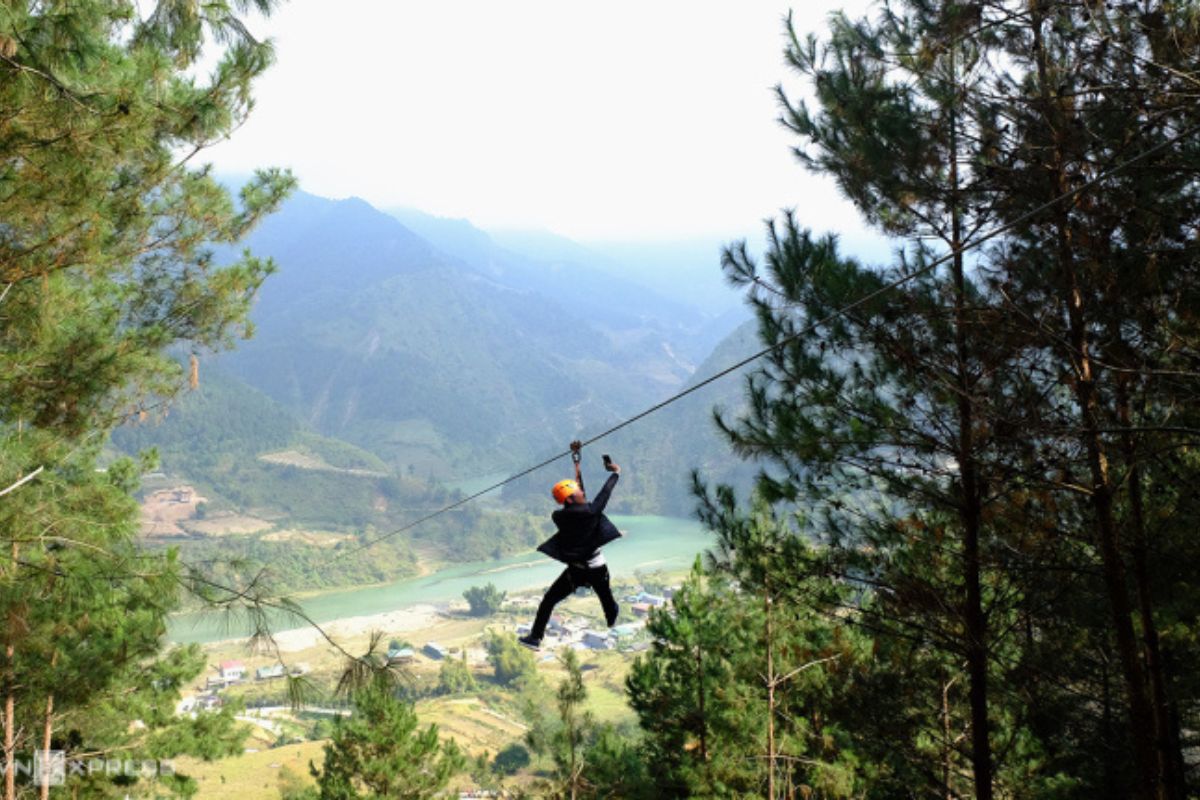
{"x":219,"y":421}
{"x":293,"y":787}
{"x":106,"y":240}
{"x":617,"y":766}
{"x":87,"y":612}
{"x":976,"y":439}
{"x":702,"y":694}
{"x":565,"y":737}
{"x":339,"y":454}
{"x":511,"y":759}
{"x":455,"y":677}
{"x":484,"y":600}
{"x":107,"y":276}
{"x":288,"y":566}
{"x":512,"y":663}
{"x":380,"y":751}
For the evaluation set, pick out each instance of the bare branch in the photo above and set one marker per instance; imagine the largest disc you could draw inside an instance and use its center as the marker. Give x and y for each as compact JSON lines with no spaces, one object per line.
{"x":24,"y":480}
{"x":785,"y":678}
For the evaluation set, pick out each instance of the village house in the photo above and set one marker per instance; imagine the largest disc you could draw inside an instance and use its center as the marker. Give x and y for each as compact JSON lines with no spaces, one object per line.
{"x":232,"y":671}
{"x":625,"y":631}
{"x":597,"y":640}
{"x":400,"y":655}
{"x":182,"y":494}
{"x":269,"y":673}
{"x":651,"y":599}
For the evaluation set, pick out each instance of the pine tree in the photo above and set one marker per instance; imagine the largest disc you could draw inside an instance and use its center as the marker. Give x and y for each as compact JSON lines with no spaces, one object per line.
{"x":1111,"y":280}
{"x":566,"y":737}
{"x":512,"y":663}
{"x":735,"y":697}
{"x":897,"y":123}
{"x":974,"y":443}
{"x":379,"y":751}
{"x":107,"y":276}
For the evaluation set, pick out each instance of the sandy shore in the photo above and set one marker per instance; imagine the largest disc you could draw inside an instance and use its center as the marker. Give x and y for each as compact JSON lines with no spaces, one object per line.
{"x":401,"y":620}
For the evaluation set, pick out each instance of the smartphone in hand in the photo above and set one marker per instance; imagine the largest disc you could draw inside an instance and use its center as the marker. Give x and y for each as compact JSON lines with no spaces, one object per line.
{"x":607,"y":462}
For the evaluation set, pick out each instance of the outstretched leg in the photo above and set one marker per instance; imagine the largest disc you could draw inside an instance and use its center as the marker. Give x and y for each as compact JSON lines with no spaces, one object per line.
{"x":561,"y":588}
{"x":598,"y":578}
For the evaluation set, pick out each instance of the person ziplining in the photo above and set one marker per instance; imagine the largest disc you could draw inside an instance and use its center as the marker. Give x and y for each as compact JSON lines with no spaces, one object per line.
{"x":582,"y":531}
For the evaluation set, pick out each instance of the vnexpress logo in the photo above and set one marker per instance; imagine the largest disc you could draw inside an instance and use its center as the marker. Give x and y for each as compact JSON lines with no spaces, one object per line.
{"x":49,"y":768}
{"x":53,"y":768}
{"x":46,"y":768}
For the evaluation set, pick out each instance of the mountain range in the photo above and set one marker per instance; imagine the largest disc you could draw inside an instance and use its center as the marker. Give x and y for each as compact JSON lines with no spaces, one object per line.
{"x":444,"y":354}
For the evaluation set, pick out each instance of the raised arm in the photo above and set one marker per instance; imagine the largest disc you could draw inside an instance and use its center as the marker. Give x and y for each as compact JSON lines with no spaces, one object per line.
{"x":602,"y":496}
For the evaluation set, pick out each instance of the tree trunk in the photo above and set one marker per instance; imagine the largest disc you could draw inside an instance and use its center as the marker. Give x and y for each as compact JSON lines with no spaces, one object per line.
{"x":770,"y":701}
{"x":700,"y":705}
{"x":969,"y":506}
{"x":947,"y":741}
{"x":10,"y":773}
{"x":10,"y":727}
{"x":1104,"y":524}
{"x":47,"y":732}
{"x":1107,"y":540}
{"x":1166,"y":738}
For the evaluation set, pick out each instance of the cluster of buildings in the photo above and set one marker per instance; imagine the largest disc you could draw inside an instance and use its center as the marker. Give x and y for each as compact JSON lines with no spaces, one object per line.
{"x":230,"y":673}
{"x":624,"y":637}
{"x":642,"y":602}
{"x":562,"y":631}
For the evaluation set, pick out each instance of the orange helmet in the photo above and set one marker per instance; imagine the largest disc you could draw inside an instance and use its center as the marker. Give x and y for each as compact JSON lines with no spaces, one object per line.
{"x":564,"y":489}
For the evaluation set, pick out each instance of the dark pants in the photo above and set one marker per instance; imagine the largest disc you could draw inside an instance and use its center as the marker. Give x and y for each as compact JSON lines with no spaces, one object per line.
{"x":571,"y":579}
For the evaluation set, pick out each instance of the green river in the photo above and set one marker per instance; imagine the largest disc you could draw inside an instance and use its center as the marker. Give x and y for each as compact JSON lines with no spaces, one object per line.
{"x":651,"y":543}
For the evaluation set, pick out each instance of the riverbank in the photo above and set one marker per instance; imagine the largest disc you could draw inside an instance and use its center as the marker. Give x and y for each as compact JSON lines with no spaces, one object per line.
{"x":651,"y":544}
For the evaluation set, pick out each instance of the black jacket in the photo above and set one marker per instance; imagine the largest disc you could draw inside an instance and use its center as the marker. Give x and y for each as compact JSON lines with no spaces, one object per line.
{"x":582,"y":529}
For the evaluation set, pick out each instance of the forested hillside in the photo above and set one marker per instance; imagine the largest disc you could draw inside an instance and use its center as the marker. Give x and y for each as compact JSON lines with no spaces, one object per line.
{"x":659,"y":453}
{"x":363,"y":353}
{"x":605,"y":295}
{"x":294,"y":499}
{"x":369,"y":334}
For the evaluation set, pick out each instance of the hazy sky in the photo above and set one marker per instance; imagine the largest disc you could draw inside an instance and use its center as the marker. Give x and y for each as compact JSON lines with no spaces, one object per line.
{"x":621,"y":120}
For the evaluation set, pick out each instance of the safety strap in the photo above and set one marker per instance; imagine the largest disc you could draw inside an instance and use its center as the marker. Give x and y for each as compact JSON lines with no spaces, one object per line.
{"x":576,"y":457}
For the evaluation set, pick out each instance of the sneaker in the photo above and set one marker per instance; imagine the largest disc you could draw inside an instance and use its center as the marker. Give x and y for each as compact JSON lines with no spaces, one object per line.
{"x":529,"y":642}
{"x":613,"y":619}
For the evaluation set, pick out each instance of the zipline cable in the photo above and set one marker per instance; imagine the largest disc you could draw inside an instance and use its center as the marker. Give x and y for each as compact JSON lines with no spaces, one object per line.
{"x":807,"y":329}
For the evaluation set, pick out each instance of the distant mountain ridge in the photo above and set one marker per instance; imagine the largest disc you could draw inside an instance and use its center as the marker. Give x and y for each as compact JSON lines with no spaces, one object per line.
{"x":372,"y":334}
{"x":447,"y":356}
{"x":600,"y":295}
{"x":611,"y":293}
{"x":659,"y":452}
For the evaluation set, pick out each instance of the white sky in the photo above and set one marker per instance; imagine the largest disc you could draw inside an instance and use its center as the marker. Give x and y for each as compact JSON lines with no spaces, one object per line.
{"x":621,"y":120}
